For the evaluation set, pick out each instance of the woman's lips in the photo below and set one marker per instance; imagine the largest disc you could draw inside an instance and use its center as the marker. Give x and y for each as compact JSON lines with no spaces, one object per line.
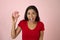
{"x":31,"y":19}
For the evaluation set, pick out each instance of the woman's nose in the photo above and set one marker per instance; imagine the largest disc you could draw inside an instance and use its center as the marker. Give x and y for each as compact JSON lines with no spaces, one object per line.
{"x":31,"y":15}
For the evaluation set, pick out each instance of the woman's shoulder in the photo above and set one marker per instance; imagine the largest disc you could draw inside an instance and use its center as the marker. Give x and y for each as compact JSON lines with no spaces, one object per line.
{"x":41,"y":26}
{"x":40,"y":22}
{"x":22,"y":21}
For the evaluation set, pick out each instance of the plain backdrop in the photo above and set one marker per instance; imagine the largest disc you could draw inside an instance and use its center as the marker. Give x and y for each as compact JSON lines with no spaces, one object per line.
{"x":48,"y":12}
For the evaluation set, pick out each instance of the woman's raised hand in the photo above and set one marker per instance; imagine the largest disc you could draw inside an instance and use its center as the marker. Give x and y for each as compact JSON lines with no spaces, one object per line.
{"x":15,"y":16}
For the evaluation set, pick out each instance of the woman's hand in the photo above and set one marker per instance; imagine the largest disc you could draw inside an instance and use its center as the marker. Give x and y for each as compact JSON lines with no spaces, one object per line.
{"x":15,"y":32}
{"x":15,"y":16}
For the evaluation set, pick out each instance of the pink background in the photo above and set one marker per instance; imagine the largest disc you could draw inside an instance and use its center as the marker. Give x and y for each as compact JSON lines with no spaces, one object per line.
{"x":48,"y":12}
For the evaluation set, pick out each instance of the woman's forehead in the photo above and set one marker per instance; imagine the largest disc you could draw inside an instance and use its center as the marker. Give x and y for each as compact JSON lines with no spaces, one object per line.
{"x":31,"y":10}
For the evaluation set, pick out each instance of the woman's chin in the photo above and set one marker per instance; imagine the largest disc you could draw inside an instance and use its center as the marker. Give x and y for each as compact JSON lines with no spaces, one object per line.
{"x":31,"y":20}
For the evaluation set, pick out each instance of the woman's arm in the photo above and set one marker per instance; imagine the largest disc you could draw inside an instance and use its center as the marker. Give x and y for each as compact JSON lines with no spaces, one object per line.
{"x":15,"y":31}
{"x":41,"y":35}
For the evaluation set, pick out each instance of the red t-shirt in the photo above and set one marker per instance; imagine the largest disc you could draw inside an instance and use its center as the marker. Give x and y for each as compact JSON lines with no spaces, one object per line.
{"x":28,"y":34}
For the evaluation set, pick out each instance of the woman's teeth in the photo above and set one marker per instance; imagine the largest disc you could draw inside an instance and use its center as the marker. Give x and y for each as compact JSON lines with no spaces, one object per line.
{"x":31,"y":19}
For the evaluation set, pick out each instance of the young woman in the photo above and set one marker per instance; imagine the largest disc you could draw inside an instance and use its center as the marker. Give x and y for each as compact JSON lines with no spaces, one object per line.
{"x":32,"y":28}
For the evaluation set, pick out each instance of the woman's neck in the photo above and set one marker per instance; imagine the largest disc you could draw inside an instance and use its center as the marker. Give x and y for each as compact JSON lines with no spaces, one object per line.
{"x":31,"y":22}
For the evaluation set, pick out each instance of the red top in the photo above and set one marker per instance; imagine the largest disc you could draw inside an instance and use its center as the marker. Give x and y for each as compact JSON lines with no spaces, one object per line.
{"x":28,"y":34}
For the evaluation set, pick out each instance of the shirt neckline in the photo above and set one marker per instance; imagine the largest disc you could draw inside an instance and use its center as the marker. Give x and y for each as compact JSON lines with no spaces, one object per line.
{"x":29,"y":28}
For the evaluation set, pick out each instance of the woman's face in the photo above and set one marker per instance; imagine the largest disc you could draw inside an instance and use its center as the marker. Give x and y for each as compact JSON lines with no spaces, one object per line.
{"x":31,"y":15}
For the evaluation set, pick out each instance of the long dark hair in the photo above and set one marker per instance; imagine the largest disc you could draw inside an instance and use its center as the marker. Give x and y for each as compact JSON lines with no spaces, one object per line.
{"x":35,"y":9}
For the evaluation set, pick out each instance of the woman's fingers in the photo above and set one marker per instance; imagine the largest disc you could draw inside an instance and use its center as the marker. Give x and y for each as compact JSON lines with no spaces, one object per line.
{"x":15,"y":15}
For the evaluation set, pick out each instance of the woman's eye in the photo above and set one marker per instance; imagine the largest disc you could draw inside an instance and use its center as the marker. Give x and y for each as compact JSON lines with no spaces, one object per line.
{"x":33,"y":13}
{"x":28,"y":13}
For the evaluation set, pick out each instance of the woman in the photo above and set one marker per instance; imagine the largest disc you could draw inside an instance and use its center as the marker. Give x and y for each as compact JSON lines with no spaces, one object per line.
{"x":32,"y":28}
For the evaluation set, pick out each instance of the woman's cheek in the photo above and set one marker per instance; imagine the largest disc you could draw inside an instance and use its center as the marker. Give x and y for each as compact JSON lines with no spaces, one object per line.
{"x":34,"y":16}
{"x":28,"y":16}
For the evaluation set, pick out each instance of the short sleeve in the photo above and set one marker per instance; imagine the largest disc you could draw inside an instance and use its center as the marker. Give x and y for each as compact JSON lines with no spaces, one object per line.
{"x":20,"y":24}
{"x":42,"y":26}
